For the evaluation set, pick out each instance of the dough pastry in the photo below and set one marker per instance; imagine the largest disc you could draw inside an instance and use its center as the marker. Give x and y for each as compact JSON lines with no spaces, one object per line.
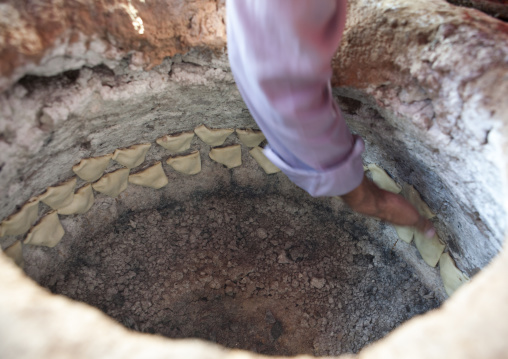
{"x":15,"y":252}
{"x":176,"y":143}
{"x":48,"y":232}
{"x":250,"y":137}
{"x":452,"y":277}
{"x":133,"y":156}
{"x":153,"y":177}
{"x":381,"y":178}
{"x":59,"y":196}
{"x":405,"y":233}
{"x":81,"y":203}
{"x":91,"y":169}
{"x":114,"y":183}
{"x":213,"y":136}
{"x":412,"y":195}
{"x":230,"y":156}
{"x":429,"y":248}
{"x":264,"y":162}
{"x":21,"y":221}
{"x":187,"y":164}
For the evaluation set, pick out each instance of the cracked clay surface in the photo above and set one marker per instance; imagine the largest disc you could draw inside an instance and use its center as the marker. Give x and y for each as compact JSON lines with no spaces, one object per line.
{"x":273,"y":274}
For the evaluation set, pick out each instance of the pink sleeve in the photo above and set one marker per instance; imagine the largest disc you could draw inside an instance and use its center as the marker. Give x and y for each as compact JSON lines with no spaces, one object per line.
{"x":280,"y":53}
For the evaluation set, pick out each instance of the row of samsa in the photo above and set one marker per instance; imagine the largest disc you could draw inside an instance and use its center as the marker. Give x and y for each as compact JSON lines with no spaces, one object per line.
{"x":64,"y":200}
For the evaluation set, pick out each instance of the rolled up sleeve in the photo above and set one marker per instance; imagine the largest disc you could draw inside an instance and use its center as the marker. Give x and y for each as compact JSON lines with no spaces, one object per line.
{"x":280,"y":53}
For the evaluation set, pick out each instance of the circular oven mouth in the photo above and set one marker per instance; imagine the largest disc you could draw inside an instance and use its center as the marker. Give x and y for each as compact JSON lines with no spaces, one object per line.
{"x":183,"y":229}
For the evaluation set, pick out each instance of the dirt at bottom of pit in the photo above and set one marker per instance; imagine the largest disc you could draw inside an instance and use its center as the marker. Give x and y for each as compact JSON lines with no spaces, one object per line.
{"x":273,"y":274}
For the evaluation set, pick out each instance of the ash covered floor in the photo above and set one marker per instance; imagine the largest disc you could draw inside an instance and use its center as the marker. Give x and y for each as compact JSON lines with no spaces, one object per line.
{"x":273,"y":274}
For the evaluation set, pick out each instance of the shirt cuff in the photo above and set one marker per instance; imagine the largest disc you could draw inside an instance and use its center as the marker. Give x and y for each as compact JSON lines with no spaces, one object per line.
{"x":334,"y":181}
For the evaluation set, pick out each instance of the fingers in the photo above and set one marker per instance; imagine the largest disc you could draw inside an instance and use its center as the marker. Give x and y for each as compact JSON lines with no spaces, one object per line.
{"x":426,"y":227}
{"x":400,"y":212}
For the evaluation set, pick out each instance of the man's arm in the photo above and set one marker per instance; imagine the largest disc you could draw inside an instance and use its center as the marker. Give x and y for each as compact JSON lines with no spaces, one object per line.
{"x":280,"y":53}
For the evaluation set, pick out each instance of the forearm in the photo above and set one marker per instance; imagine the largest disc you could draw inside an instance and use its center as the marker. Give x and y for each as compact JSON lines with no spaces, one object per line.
{"x":280,"y":53}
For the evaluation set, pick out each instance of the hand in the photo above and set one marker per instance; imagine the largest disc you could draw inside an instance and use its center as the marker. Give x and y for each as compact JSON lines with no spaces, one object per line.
{"x":371,"y":200}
